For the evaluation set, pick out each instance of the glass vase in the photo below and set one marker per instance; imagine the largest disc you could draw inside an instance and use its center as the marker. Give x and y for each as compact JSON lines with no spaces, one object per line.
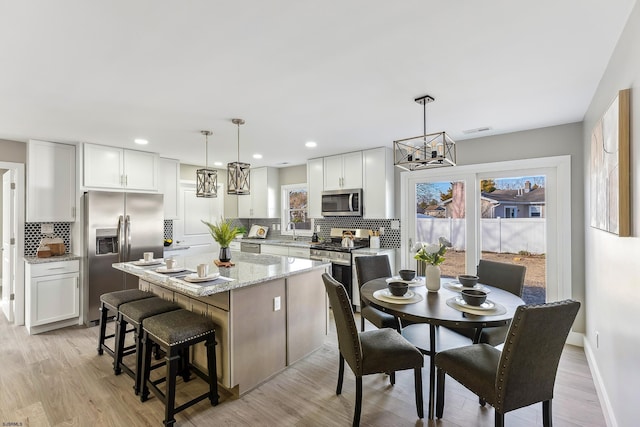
{"x":225,"y":254}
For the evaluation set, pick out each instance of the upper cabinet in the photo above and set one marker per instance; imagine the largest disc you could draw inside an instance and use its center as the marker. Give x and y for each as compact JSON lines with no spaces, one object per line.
{"x":378,"y":183}
{"x":315,"y":187}
{"x":119,"y":168}
{"x":371,"y":170}
{"x":51,"y":182}
{"x":264,"y":199}
{"x":343,"y":171}
{"x":168,"y":186}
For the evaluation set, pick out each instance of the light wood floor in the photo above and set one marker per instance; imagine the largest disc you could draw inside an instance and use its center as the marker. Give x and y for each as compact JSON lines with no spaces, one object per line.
{"x":57,"y":379}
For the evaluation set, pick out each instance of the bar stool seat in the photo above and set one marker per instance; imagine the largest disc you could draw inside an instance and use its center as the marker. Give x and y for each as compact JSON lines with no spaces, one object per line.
{"x":175,"y":332}
{"x":134,"y":313}
{"x":111,"y":301}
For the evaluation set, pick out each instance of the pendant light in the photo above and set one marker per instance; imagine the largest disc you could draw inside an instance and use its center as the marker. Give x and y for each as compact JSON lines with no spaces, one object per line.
{"x":238,"y":176}
{"x":206,"y":179}
{"x":427,"y":150}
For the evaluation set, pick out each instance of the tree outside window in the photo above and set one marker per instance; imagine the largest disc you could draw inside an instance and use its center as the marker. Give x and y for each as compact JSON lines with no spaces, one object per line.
{"x":295,"y":210}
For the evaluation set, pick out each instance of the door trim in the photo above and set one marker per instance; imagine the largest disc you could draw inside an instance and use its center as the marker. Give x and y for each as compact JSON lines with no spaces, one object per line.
{"x":558,"y":281}
{"x":19,"y":169}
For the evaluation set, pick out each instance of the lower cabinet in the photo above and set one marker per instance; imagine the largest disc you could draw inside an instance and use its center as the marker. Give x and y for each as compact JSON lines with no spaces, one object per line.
{"x":52,"y":295}
{"x":260,"y":329}
{"x":291,"y":251}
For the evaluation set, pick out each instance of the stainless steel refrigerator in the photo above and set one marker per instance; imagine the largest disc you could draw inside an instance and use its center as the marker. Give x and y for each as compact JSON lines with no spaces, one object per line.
{"x":119,"y":227}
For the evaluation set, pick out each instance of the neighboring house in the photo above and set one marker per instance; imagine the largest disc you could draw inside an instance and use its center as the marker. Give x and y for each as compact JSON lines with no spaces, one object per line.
{"x":520,"y":203}
{"x":435,"y":211}
{"x":524,"y":202}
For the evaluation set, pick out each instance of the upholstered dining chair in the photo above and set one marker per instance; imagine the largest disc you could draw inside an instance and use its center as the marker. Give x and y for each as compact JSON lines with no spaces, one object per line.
{"x":370,"y":352}
{"x":509,"y":277}
{"x":369,"y":268}
{"x":524,"y":372}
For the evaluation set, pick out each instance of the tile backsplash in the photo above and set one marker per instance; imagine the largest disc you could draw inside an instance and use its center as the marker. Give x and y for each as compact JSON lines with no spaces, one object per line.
{"x":32,"y":236}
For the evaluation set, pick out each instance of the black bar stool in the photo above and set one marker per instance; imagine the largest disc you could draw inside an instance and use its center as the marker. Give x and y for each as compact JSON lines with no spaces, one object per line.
{"x":175,"y":332}
{"x":133,"y":313}
{"x":112,"y":301}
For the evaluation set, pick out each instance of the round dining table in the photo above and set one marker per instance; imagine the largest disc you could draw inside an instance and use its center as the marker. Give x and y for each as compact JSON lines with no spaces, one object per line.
{"x":441,"y":309}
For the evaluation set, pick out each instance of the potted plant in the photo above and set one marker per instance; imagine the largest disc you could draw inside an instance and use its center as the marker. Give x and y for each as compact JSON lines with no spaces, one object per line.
{"x":431,"y":256}
{"x":241,"y":232}
{"x":223,"y":232}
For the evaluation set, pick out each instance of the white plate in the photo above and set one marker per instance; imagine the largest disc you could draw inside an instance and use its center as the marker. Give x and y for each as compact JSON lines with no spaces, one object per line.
{"x":193,"y":277}
{"x":418,"y":281}
{"x":170,"y":270}
{"x":487,"y":305}
{"x":387,"y":294}
{"x":384,"y":295}
{"x":457,"y":287}
{"x":152,"y":262}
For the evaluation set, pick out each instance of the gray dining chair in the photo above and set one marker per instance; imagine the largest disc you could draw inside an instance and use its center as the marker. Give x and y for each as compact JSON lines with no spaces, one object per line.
{"x":509,"y":277}
{"x":370,"y":352}
{"x":369,"y":268}
{"x":524,"y":372}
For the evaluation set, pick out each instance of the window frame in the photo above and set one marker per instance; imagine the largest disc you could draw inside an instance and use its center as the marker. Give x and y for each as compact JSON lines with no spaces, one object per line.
{"x":284,"y":201}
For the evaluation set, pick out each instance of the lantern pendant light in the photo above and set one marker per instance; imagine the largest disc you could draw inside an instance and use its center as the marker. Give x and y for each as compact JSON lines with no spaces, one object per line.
{"x":238,"y":173}
{"x":206,"y":179}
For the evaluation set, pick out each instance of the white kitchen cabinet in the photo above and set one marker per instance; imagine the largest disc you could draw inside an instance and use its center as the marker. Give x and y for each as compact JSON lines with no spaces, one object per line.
{"x":51,"y":182}
{"x":119,"y":168}
{"x":343,"y":171}
{"x":264,"y":198}
{"x":378,"y":183}
{"x":315,"y":186}
{"x":290,"y":251}
{"x":168,"y":180}
{"x":52,"y":295}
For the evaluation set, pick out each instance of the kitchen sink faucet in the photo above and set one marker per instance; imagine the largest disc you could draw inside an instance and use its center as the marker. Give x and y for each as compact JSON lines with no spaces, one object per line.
{"x":293,"y":228}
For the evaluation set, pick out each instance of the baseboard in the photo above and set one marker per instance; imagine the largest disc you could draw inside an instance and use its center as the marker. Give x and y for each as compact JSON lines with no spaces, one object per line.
{"x":605,"y":403}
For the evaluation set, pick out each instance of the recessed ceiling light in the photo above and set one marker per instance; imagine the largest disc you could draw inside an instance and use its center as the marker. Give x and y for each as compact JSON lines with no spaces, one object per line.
{"x":310,"y":144}
{"x":141,"y":141}
{"x":257,"y":156}
{"x":217,"y":163}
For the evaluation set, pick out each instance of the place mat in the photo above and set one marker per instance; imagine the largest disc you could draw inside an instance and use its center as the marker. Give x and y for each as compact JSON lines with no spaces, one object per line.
{"x":380,"y":295}
{"x":418,"y":281}
{"x":143,"y":263}
{"x":201,"y":288}
{"x":219,"y":263}
{"x":497,"y":310}
{"x":165,"y":270}
{"x":457,"y":287}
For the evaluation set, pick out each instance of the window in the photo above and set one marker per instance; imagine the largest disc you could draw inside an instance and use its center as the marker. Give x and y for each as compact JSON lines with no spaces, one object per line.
{"x":510,"y":212}
{"x":535,"y":211}
{"x":295,"y":211}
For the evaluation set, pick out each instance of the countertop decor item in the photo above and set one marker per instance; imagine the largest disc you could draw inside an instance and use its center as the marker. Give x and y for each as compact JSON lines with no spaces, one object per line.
{"x":223,"y":232}
{"x":206,"y":179}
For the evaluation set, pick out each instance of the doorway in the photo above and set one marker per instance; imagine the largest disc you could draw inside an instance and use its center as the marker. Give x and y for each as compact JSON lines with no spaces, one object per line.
{"x":470,"y":218}
{"x":12,"y":241}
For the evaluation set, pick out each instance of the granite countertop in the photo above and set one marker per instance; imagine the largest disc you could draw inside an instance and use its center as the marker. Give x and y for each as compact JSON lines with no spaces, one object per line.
{"x":65,"y":257}
{"x":250,"y":269}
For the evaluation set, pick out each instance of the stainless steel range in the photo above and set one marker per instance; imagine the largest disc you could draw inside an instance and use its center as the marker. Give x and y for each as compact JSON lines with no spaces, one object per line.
{"x":337,"y":251}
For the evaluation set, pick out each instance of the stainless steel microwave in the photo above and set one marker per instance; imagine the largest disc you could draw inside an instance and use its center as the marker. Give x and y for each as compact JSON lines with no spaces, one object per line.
{"x":342,"y":202}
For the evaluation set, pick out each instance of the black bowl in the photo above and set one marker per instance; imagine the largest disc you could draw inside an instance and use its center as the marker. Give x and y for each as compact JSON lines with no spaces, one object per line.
{"x":468,"y":280}
{"x":398,"y":289}
{"x":407,"y":274}
{"x":473,"y":296}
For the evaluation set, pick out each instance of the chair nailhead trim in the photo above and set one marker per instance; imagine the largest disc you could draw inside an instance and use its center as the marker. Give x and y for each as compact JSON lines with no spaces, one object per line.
{"x":188,"y":339}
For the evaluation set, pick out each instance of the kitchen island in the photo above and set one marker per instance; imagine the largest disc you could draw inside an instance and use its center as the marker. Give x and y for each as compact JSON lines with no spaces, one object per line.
{"x":270,"y":311}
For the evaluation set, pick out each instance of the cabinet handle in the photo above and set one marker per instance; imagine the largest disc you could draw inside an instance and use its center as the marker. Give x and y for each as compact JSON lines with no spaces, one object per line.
{"x":56,"y":268}
{"x":126,"y":180}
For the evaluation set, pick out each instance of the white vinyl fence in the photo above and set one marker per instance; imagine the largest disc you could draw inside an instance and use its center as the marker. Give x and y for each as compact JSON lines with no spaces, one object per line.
{"x":509,"y":235}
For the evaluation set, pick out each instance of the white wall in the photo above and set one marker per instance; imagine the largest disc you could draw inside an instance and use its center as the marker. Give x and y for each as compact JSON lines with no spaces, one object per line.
{"x":535,"y":143}
{"x":612,"y":272}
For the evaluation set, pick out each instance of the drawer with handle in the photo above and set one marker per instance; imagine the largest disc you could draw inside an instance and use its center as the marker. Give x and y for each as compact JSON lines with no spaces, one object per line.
{"x":57,"y":267}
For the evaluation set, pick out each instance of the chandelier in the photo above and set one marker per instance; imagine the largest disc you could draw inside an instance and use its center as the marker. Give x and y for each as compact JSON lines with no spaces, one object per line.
{"x":206,"y":179}
{"x":425,"y":151}
{"x":238,"y":176}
